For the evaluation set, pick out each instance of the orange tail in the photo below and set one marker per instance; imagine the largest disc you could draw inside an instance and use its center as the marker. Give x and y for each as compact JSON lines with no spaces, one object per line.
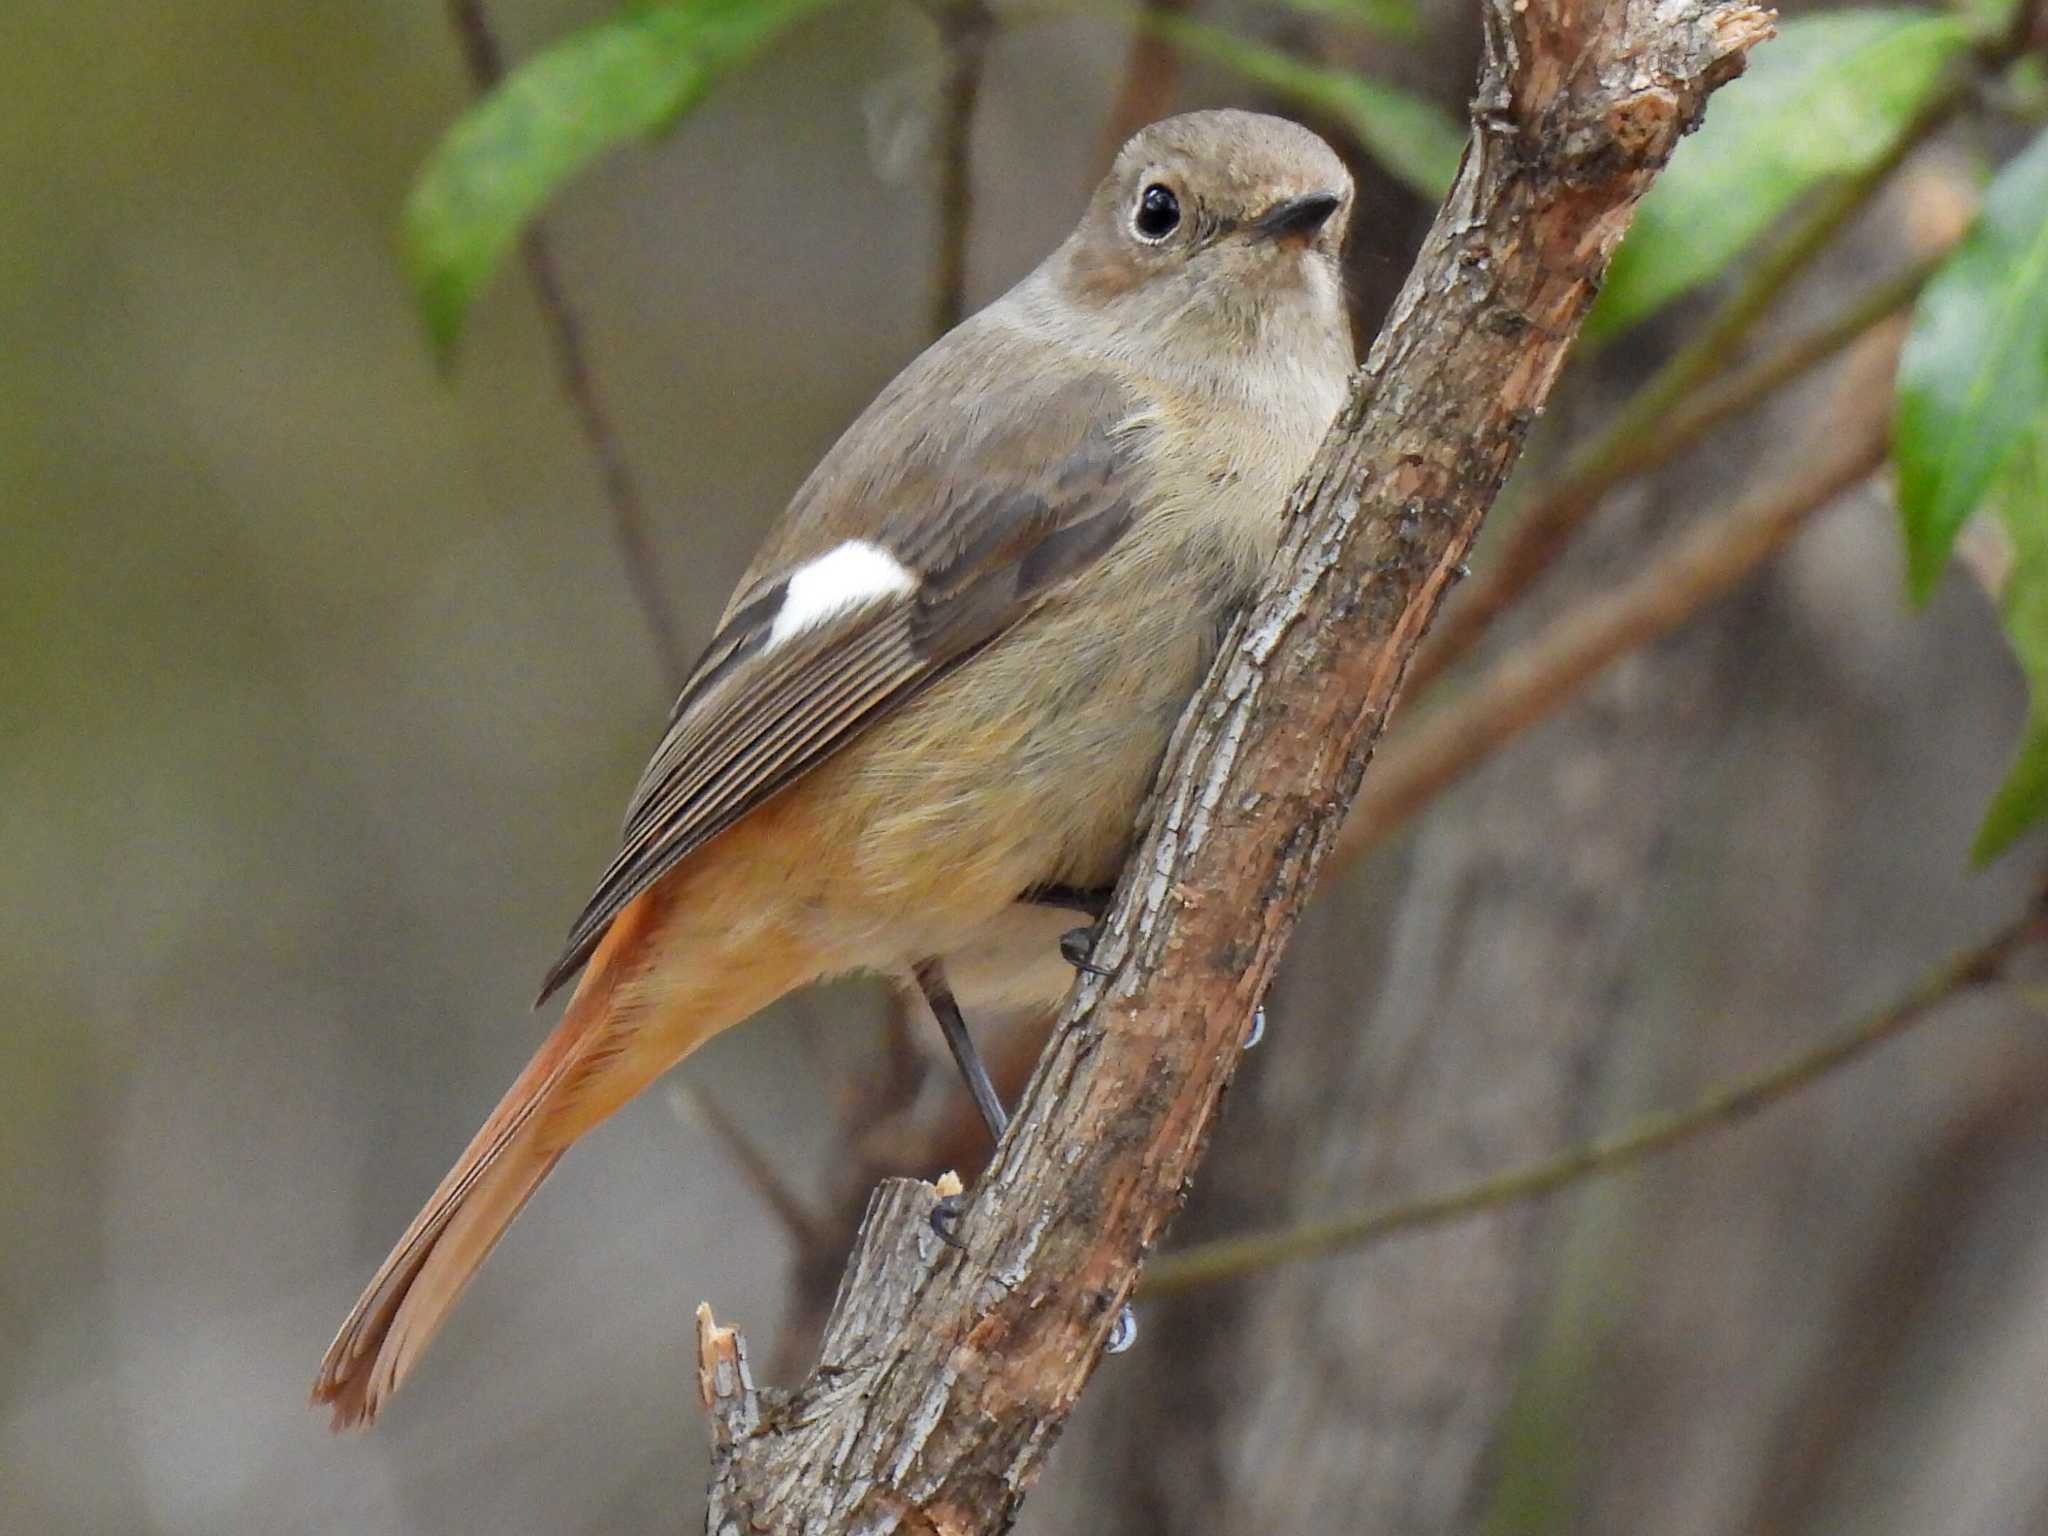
{"x":620,"y":1032}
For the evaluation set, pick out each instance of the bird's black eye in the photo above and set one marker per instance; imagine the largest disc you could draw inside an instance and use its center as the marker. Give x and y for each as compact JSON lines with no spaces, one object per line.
{"x":1158,"y":213}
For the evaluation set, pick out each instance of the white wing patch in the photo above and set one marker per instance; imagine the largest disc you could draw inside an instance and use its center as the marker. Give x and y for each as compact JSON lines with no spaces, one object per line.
{"x":846,"y":576}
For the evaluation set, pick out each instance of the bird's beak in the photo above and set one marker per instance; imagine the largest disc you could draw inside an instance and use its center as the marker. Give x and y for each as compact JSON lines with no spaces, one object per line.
{"x":1297,"y":217}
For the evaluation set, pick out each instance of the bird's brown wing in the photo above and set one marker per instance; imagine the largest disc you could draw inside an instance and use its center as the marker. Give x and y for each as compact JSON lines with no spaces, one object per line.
{"x":1023,"y":496}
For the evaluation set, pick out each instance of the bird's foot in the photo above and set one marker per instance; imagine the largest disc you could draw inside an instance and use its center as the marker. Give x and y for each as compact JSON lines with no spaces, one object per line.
{"x":945,"y":1219}
{"x":1077,"y":944}
{"x":1123,"y":1333}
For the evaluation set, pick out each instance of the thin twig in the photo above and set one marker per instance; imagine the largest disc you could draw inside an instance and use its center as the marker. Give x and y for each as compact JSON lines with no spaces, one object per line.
{"x":1534,"y":679}
{"x":1746,"y":387}
{"x":693,"y":1101}
{"x":1878,"y":1320}
{"x":486,"y":61}
{"x":1539,"y":535}
{"x":1151,"y":78}
{"x":2028,"y":17}
{"x":964,"y":30}
{"x":889,"y":1086}
{"x":1969,"y":970}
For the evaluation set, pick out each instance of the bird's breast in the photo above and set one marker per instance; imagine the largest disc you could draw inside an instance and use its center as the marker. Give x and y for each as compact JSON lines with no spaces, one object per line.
{"x":1029,"y":764}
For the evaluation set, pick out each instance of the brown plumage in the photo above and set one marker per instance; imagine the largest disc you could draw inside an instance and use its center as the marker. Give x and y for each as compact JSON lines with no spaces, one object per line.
{"x":948,"y":677}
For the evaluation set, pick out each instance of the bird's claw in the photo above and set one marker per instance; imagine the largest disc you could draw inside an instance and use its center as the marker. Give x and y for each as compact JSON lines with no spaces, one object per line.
{"x":1077,"y":944}
{"x":945,"y":1220}
{"x":1123,"y":1333}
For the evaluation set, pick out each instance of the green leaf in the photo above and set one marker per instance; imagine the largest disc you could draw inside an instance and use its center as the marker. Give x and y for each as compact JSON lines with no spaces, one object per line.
{"x":1825,"y":100}
{"x":2022,"y":798}
{"x":1413,"y":138}
{"x":1388,"y":18}
{"x":548,"y":119}
{"x":1973,"y":378}
{"x":2022,"y":497}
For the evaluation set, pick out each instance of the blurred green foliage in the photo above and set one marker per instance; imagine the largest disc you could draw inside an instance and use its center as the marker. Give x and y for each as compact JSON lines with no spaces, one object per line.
{"x":1833,"y":95}
{"x":1411,"y":136}
{"x":1386,"y":18}
{"x":1972,"y":416}
{"x":2023,"y":507}
{"x":498,"y":165}
{"x":1825,"y":99}
{"x":1973,"y":378}
{"x":502,"y":160}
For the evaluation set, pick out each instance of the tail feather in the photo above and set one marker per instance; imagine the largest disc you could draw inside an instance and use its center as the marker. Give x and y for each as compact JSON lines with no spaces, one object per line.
{"x":419,"y":1285}
{"x":415,"y":1288}
{"x":620,"y":1033}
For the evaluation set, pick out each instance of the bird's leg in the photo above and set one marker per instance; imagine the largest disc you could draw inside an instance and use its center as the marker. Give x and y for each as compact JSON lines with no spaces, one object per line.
{"x":1077,"y":944}
{"x":931,"y":980}
{"x":1094,"y":903}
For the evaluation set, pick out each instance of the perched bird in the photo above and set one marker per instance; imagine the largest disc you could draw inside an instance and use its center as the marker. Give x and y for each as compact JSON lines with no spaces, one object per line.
{"x":939,"y":695}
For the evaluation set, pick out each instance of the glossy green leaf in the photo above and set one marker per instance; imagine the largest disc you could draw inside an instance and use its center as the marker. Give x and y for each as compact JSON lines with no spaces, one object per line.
{"x":1825,"y":99}
{"x":2022,"y":501}
{"x":1973,"y":378}
{"x":1413,"y":138}
{"x":548,"y":119}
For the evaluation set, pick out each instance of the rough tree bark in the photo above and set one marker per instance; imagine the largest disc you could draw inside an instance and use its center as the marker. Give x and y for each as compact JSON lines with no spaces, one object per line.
{"x":947,"y":1374}
{"x":1445,"y":1015}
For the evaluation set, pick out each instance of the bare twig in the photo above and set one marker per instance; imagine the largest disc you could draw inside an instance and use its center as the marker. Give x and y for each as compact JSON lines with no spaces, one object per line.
{"x":1970,"y":970}
{"x":2029,"y":21}
{"x":964,"y":27}
{"x":1734,"y":393}
{"x":1532,"y":680}
{"x":1880,"y":1316}
{"x":948,"y":1372}
{"x":1151,"y":77}
{"x":1541,"y":533}
{"x":486,"y":61}
{"x":693,"y":1101}
{"x":887,"y":1086}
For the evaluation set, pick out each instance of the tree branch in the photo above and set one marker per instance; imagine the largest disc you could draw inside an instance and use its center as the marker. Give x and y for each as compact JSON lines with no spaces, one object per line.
{"x":1981,"y":965}
{"x":1432,"y":752}
{"x":947,"y":1374}
{"x":1151,"y":77}
{"x":1533,"y":680}
{"x":1541,"y":533}
{"x":486,"y":63}
{"x":964,"y":30}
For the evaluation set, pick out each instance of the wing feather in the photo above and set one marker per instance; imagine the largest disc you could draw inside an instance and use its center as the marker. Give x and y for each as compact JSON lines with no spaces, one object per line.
{"x":760,"y":710}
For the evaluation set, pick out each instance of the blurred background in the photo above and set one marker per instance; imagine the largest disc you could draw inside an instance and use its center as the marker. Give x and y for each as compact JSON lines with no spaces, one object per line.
{"x":324,"y":687}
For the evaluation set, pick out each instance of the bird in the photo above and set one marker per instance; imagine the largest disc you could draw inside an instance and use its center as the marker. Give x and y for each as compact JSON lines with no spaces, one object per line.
{"x":935,"y":704}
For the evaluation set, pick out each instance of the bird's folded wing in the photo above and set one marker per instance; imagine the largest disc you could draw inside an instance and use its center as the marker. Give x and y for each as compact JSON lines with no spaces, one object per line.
{"x":843,"y":627}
